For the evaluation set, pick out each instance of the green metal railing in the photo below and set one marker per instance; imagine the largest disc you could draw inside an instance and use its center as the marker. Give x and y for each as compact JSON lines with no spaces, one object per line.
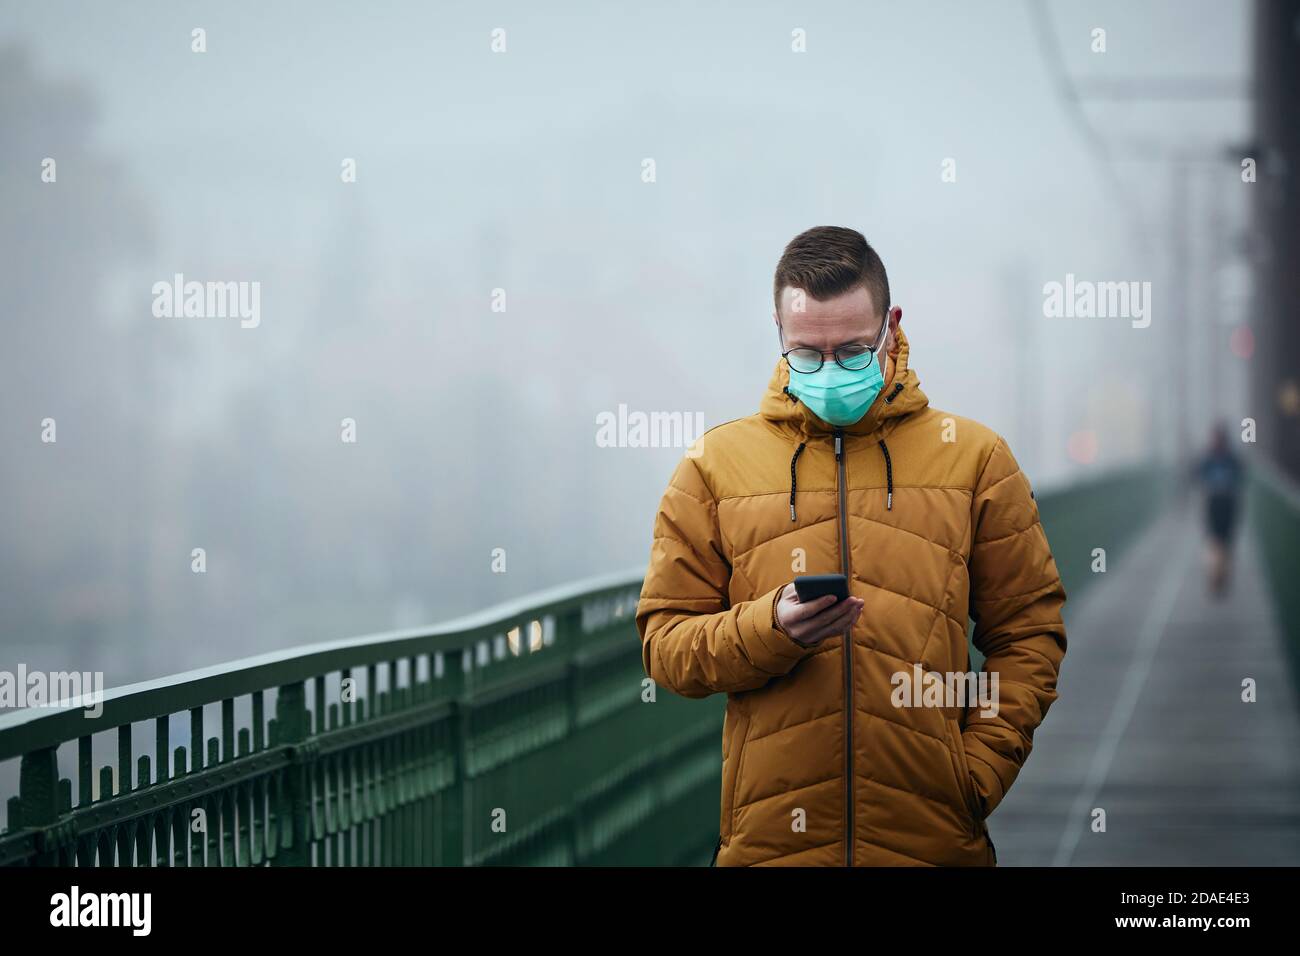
{"x":517,"y":736}
{"x":1106,"y":512}
{"x":1273,"y":504}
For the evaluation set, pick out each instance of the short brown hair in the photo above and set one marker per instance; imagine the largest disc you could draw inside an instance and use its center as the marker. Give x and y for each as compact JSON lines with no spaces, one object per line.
{"x":827,"y":261}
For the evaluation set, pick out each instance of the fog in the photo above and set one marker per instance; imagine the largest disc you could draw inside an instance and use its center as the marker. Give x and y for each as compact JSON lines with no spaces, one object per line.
{"x":525,"y":171}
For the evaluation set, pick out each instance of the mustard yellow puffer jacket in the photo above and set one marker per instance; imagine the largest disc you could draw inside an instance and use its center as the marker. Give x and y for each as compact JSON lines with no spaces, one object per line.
{"x":931,"y":519}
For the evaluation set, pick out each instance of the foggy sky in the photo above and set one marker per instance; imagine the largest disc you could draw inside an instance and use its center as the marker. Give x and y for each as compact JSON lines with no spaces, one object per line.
{"x":522,"y":171}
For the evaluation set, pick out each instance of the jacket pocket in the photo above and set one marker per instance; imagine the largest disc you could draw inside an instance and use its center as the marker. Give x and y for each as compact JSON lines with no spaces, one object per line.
{"x":731,"y":770}
{"x":965,"y":784}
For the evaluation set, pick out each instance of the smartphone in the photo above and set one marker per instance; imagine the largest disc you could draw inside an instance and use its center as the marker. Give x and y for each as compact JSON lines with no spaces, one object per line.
{"x":810,"y":587}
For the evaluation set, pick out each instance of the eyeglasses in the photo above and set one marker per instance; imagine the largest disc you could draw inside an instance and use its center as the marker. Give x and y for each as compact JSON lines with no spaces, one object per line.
{"x":855,"y":356}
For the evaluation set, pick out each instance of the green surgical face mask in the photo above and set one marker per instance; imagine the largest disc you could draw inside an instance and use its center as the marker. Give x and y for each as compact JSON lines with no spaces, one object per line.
{"x":837,"y":395}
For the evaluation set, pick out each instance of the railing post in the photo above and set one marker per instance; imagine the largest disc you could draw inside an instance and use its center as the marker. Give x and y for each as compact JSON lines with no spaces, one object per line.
{"x":291,"y":721}
{"x":38,"y":799}
{"x":452,"y":801}
{"x":568,"y":638}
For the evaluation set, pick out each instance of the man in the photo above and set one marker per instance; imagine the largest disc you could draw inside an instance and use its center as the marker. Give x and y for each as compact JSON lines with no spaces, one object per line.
{"x":1220,"y":474}
{"x":847,"y":469}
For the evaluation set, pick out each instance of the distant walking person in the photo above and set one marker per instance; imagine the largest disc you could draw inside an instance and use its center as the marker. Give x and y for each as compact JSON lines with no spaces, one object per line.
{"x":1219,"y":473}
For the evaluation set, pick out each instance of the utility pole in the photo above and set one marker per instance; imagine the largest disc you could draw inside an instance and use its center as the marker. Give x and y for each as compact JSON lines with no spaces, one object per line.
{"x":1276,"y":361}
{"x":1179,"y":329}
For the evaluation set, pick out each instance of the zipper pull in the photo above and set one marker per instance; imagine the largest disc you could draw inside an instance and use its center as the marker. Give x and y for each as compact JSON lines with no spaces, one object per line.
{"x":839,"y":442}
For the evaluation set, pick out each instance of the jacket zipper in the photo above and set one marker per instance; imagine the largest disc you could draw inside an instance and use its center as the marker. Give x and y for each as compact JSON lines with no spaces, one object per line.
{"x":848,"y":658}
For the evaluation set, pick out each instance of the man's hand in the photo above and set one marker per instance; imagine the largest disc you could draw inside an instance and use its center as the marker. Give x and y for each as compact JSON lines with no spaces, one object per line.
{"x":812,"y":622}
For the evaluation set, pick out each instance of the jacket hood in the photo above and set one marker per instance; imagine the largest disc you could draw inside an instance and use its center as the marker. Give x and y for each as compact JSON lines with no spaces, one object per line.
{"x":900,"y":396}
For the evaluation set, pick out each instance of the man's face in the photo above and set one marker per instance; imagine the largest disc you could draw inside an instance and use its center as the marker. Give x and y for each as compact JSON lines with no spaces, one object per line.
{"x":851,"y":318}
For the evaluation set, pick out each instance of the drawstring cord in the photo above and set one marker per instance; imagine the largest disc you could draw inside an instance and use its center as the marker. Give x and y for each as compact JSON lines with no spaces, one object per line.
{"x":889,"y":465}
{"x":793,"y":462}
{"x":889,"y":476}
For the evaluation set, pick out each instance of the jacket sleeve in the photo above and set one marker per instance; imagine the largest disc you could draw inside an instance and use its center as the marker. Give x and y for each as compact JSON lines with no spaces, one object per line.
{"x":1016,"y":599}
{"x":693,"y":640}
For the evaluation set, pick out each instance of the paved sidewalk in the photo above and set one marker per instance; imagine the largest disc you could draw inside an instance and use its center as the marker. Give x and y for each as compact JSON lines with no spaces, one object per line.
{"x":1150,"y":725}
